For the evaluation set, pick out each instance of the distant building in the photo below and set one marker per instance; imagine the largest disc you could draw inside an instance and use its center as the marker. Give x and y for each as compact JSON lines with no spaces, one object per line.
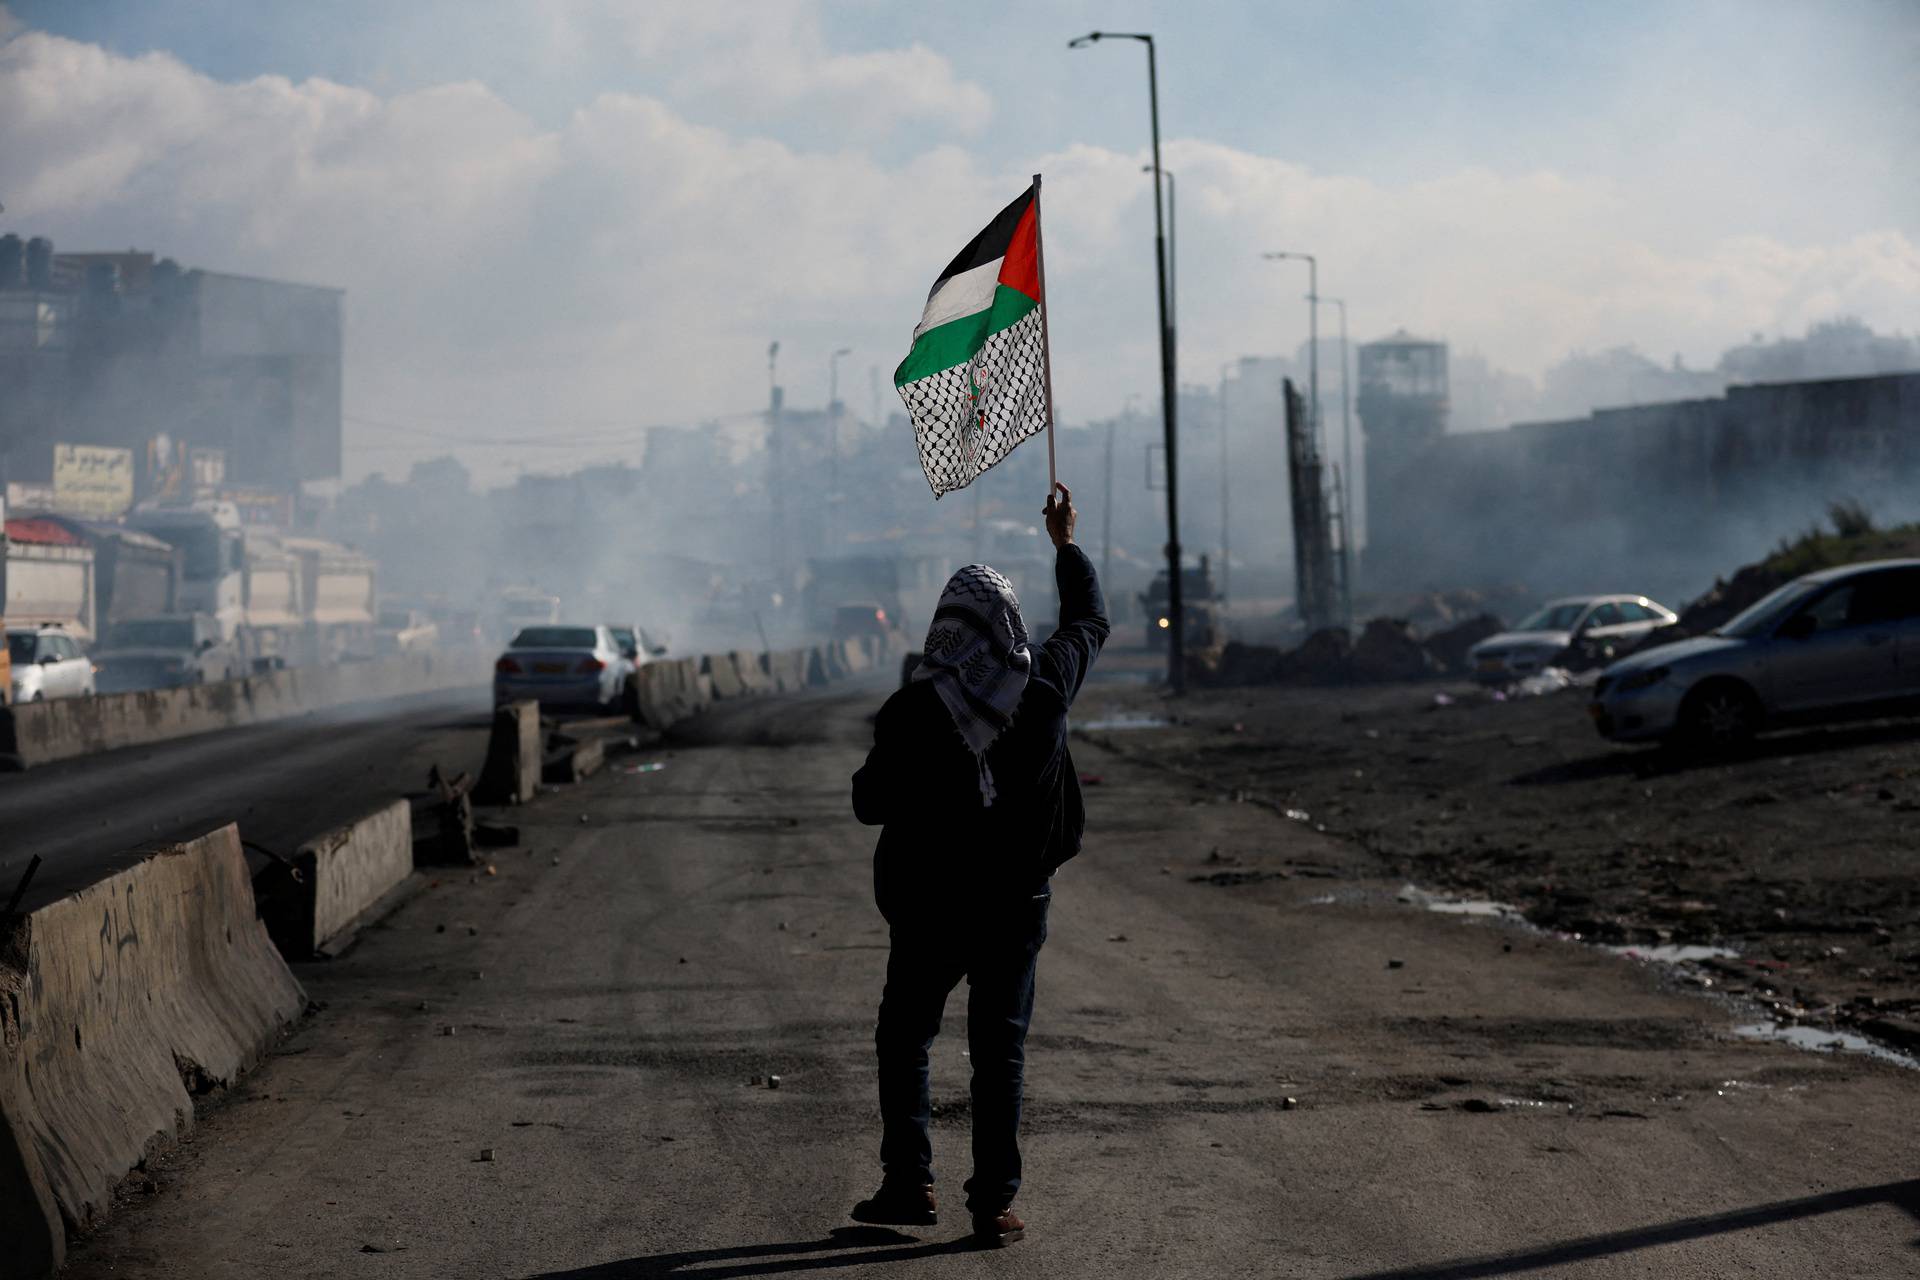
{"x":1654,"y":497}
{"x":116,"y":349}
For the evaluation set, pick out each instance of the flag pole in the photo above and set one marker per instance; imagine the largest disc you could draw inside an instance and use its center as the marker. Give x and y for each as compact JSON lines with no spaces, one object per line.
{"x":1046,"y":334}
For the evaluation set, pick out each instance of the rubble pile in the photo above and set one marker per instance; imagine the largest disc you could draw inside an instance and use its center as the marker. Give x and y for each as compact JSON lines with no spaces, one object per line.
{"x":1449,"y":647}
{"x":1387,"y":649}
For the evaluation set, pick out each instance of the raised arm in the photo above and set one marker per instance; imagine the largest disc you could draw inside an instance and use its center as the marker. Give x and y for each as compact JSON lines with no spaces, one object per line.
{"x":1083,"y":612}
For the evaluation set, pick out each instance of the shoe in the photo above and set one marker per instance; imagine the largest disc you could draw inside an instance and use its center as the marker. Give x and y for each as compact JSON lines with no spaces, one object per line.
{"x":898,"y":1206}
{"x":998,"y":1230}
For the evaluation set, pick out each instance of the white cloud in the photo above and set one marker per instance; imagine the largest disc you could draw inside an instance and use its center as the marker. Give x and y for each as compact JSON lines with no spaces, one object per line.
{"x":772,"y":56}
{"x":629,"y":265}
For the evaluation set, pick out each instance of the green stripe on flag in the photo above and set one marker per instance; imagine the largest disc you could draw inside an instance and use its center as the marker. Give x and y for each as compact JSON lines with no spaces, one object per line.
{"x":954,"y":342}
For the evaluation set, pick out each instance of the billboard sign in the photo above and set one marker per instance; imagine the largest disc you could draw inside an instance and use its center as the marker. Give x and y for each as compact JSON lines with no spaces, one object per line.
{"x":91,"y":480}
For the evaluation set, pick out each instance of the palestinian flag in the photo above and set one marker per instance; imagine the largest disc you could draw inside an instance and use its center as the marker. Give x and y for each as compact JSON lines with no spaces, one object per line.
{"x":975,"y":381}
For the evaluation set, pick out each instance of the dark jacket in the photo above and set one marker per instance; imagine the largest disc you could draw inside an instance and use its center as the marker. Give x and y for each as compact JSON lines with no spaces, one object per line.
{"x":921,"y":783}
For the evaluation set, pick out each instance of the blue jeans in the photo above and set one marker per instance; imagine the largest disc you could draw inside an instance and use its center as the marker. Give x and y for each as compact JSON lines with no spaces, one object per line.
{"x":995,"y":948}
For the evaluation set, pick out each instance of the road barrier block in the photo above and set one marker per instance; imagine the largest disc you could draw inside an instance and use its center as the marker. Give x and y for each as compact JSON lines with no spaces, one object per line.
{"x":853,"y":655}
{"x":719,"y":668}
{"x":752,"y":675}
{"x":511,"y":774}
{"x":819,"y":670}
{"x":334,"y":878}
{"x":119,"y":1005}
{"x":790,"y":667}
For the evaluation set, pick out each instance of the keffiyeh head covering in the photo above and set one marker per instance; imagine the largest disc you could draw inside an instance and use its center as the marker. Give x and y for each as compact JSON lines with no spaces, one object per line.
{"x":977,"y":657}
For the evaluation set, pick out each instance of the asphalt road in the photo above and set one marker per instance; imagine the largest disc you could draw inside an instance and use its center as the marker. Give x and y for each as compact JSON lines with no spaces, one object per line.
{"x":282,"y":782}
{"x":550,"y":1071}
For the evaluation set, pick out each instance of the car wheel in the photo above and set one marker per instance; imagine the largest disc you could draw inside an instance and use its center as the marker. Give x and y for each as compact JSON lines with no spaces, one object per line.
{"x":1720,"y":716}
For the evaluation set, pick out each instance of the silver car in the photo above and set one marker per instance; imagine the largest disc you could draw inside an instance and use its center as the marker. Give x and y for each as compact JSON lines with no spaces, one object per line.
{"x":1545,"y":638}
{"x":1838,"y":643}
{"x":562,"y":667}
{"x":48,"y":663}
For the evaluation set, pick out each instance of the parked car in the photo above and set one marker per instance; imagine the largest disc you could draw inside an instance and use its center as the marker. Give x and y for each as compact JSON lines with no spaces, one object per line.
{"x":164,"y":653}
{"x":1835,"y":644}
{"x":638,"y":644}
{"x":562,"y":667}
{"x":47,"y":663}
{"x":1573,"y":628}
{"x":397,"y":630}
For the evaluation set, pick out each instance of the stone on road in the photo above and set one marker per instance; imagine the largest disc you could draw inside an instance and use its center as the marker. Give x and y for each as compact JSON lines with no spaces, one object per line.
{"x":1226,"y":1076}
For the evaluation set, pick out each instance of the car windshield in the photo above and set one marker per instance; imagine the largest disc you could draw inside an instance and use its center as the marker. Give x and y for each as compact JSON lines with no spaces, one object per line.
{"x":152,"y":633}
{"x":1760,"y":619}
{"x":1555,"y":617}
{"x":555,"y":638}
{"x":20,"y":646}
{"x":623,"y":636}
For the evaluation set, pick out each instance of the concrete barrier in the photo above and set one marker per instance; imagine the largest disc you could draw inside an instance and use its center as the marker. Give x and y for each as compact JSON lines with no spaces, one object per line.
{"x":118,"y":1005}
{"x":511,"y":774}
{"x":336,"y":877}
{"x":725,"y":677}
{"x":818,"y":670}
{"x":854,"y":656}
{"x":751,"y":674}
{"x":41,"y":732}
{"x":574,"y":759}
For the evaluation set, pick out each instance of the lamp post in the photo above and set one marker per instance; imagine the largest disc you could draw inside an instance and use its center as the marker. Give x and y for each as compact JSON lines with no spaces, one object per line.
{"x":1169,"y":379}
{"x":1173,"y":246}
{"x":833,"y":422}
{"x":1313,"y":330}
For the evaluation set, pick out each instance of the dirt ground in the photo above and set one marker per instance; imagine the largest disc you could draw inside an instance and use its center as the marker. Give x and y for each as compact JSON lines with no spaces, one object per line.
{"x":1800,"y":856}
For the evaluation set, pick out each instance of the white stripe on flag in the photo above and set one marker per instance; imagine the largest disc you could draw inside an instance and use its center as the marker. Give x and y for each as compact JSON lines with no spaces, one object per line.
{"x":962,"y":295}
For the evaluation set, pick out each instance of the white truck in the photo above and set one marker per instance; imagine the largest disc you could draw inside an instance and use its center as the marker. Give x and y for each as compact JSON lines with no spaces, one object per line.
{"x":210,"y":540}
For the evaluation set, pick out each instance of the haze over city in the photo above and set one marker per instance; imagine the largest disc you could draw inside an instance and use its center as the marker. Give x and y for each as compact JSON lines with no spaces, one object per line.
{"x":556,"y":223}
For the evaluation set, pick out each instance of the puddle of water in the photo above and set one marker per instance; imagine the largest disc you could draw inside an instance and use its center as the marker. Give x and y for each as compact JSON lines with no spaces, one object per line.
{"x":1821,"y":1041}
{"x":1674,"y":953}
{"x":1457,"y":906}
{"x":1129,"y":720}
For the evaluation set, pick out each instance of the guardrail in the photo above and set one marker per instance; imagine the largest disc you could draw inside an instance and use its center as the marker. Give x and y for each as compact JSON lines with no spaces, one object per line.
{"x":41,"y":732}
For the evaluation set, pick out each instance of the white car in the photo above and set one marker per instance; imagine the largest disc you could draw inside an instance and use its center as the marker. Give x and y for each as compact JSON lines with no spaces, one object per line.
{"x":1601,"y":625}
{"x":397,"y":630}
{"x":48,"y":663}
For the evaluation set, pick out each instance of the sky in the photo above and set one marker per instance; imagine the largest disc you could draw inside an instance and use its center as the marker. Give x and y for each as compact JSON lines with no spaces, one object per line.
{"x":559,"y":221}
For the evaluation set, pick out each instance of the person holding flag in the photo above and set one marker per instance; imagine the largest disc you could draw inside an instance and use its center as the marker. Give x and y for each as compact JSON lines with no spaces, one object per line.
{"x":970,"y":778}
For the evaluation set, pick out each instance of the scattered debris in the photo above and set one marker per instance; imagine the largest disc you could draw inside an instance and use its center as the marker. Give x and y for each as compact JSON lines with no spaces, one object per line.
{"x":486,"y":1155}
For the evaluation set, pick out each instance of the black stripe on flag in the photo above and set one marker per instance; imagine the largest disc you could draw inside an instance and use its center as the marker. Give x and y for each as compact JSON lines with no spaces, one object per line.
{"x":989,"y":244}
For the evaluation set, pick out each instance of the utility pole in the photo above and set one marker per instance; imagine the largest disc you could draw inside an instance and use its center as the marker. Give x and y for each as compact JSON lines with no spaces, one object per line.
{"x":1169,"y":369}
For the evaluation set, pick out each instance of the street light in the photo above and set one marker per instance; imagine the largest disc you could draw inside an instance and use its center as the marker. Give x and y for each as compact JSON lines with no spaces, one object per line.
{"x":1173,"y":247}
{"x":1169,"y":380}
{"x":1313,"y":330}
